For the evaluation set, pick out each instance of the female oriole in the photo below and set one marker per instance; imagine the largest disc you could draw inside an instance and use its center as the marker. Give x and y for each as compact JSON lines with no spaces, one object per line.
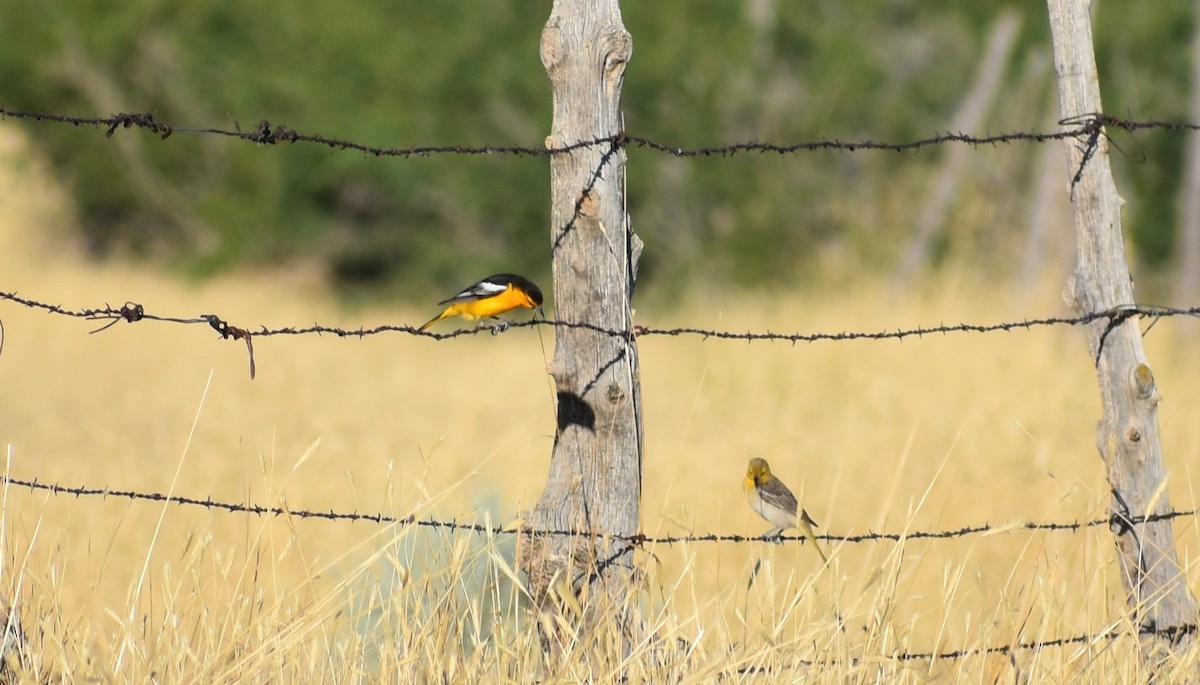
{"x":492,"y":296}
{"x":773,"y":501}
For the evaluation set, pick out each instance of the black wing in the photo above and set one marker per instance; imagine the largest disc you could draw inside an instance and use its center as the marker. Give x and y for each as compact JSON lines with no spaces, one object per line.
{"x":488,"y":287}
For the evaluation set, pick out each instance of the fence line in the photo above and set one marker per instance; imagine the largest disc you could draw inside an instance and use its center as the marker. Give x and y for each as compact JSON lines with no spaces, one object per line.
{"x":637,"y":540}
{"x":132,"y":312}
{"x":1087,"y":129}
{"x":1083,"y":126}
{"x":1172,"y":633}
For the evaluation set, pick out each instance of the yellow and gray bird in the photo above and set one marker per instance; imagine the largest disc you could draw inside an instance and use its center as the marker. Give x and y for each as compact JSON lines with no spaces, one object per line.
{"x":773,"y":501}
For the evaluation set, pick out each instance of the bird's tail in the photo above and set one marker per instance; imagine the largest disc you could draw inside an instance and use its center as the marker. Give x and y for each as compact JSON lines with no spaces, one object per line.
{"x":434,"y":320}
{"x":806,"y":527}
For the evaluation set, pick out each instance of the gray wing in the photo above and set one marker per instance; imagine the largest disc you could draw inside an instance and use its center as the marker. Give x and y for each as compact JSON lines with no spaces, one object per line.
{"x":477,"y":291}
{"x":775,"y":493}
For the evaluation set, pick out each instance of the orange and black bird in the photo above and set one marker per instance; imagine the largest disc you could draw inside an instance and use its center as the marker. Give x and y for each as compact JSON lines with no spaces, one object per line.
{"x":490,"y":297}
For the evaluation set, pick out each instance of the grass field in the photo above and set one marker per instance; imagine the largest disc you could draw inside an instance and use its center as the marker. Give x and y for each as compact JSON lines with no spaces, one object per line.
{"x":928,"y":434}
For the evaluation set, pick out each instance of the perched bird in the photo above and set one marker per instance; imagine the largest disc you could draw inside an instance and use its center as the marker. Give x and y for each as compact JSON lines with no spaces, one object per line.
{"x":492,"y":296}
{"x":772,"y":500}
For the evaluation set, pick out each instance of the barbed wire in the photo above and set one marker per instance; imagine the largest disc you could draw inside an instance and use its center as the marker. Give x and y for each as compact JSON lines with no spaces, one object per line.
{"x":1083,"y":126}
{"x":132,"y":312}
{"x":1173,"y":633}
{"x":1086,"y":128}
{"x":638,"y":539}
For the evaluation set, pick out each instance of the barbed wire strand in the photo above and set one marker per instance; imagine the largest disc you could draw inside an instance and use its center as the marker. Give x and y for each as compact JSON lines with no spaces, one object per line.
{"x":636,"y":539}
{"x":132,"y":312}
{"x":1083,"y":127}
{"x":1173,"y":633}
{"x":1087,"y":128}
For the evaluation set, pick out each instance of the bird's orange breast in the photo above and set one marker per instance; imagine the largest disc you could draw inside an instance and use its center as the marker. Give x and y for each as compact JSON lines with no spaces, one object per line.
{"x":509,"y":299}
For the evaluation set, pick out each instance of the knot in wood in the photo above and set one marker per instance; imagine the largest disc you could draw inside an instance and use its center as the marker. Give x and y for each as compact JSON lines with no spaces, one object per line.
{"x":1132,"y":434}
{"x":588,"y":206}
{"x":1075,"y":294}
{"x":618,"y":48}
{"x":615,"y":394}
{"x":1142,"y":379}
{"x":551,"y":47}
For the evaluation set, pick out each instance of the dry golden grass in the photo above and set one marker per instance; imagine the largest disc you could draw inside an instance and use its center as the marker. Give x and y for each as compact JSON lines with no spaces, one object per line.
{"x":887,"y":436}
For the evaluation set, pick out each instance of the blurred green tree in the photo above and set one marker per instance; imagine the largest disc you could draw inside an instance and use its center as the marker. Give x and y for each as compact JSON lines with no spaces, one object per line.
{"x":468,"y":72}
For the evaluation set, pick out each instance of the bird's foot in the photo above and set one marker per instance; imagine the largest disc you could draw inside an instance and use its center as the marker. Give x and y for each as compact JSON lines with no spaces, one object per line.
{"x":494,"y":327}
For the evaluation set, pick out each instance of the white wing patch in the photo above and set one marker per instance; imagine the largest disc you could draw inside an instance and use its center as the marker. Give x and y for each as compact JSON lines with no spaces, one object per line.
{"x":485,"y":288}
{"x":478,"y":291}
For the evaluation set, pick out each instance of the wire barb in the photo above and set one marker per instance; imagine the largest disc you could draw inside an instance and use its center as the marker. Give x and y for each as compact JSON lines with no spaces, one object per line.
{"x":219,"y":325}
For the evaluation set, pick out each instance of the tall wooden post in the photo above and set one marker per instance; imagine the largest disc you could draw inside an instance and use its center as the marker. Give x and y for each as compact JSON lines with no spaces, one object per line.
{"x":1127,"y":435}
{"x":594,"y":485}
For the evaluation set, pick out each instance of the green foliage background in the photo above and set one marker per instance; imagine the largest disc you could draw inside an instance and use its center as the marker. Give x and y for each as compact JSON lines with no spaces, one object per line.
{"x":704,"y":72}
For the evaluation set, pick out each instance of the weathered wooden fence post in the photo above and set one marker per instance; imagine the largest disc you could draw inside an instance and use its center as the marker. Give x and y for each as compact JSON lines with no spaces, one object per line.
{"x":1127,"y":435}
{"x":594,"y":483}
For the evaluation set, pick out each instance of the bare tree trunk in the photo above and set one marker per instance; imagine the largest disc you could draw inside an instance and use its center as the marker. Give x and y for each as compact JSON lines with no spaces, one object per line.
{"x":1127,"y":435}
{"x":1187,"y":232}
{"x":970,"y":115}
{"x":594,"y":484}
{"x":763,"y":16}
{"x":1046,"y":208}
{"x":155,"y":189}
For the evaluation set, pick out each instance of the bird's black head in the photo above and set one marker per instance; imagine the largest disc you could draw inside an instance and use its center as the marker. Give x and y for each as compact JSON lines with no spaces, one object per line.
{"x":535,"y":293}
{"x":530,"y":288}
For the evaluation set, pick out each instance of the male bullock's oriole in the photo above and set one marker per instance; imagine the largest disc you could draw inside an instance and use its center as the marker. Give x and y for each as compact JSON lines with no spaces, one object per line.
{"x":772,"y":500}
{"x":490,"y":297}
